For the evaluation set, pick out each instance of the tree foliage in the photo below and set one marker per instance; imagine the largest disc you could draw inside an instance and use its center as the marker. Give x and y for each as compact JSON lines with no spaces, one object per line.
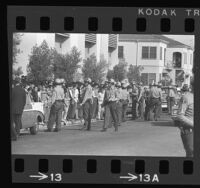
{"x":93,"y":69}
{"x":134,"y":73}
{"x":17,"y":72}
{"x":66,"y":66}
{"x":120,"y":71}
{"x":40,"y":67}
{"x":110,"y":74}
{"x":16,"y":43}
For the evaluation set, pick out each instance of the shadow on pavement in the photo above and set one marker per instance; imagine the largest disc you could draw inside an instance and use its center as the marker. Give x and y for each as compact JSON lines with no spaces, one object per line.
{"x":163,"y":123}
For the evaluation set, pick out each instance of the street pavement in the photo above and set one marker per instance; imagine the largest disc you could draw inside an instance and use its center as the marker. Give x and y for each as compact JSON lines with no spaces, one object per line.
{"x":134,"y":138}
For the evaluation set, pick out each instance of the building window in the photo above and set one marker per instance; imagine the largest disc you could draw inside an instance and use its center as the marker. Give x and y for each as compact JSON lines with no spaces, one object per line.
{"x":149,"y":52}
{"x":161,"y":53}
{"x":120,"y":51}
{"x":177,"y":59}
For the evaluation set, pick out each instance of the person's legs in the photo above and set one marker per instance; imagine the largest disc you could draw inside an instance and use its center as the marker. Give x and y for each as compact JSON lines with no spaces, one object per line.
{"x":107,"y":117}
{"x":99,"y":111}
{"x":134,"y":113}
{"x":52,"y":118}
{"x":119,"y":112}
{"x":157,"y":103}
{"x":13,"y":131}
{"x":125,"y":106}
{"x":187,"y":139}
{"x":87,"y":113}
{"x":18,"y":122}
{"x":113,"y":112}
{"x":59,"y":109}
{"x":151,"y":110}
{"x":169,"y":106}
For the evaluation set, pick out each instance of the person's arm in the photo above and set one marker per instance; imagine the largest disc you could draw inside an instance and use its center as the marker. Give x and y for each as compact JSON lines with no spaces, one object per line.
{"x":53,"y":97}
{"x":24,"y":98}
{"x":183,"y":105}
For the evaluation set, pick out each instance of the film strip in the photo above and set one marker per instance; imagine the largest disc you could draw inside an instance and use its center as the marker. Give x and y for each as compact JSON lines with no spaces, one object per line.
{"x":107,"y":169}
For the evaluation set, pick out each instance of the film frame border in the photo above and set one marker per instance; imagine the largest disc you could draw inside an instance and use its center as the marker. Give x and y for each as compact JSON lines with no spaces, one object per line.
{"x":30,"y":19}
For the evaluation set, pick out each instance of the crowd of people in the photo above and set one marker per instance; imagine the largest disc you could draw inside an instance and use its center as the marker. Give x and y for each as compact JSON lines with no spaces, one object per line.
{"x":108,"y":101}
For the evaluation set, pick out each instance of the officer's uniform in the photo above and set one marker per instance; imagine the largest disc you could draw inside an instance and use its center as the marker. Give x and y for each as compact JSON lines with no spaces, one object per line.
{"x":187,"y":108}
{"x":87,"y":106}
{"x":57,"y":107}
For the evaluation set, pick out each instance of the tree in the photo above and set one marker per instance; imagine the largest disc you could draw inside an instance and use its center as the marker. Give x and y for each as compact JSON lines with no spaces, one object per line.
{"x":40,"y":67}
{"x":93,"y":69}
{"x":110,"y":74}
{"x":17,"y":72}
{"x":66,"y":66}
{"x":134,"y":73}
{"x":120,"y":71}
{"x":16,"y":42}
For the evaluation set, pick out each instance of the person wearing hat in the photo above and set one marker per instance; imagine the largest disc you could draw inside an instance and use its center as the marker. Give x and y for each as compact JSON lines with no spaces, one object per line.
{"x":134,"y":96}
{"x":57,"y":107}
{"x":111,"y":99}
{"x":18,"y":104}
{"x":170,"y":99}
{"x":155,"y":99}
{"x":87,"y":104}
{"x":124,"y":100}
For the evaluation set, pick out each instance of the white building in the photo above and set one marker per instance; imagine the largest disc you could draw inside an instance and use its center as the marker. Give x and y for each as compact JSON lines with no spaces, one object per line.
{"x":159,"y":55}
{"x":101,"y":45}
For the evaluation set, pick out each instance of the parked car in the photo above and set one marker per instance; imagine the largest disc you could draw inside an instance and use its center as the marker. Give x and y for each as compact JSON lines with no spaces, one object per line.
{"x":32,"y":115}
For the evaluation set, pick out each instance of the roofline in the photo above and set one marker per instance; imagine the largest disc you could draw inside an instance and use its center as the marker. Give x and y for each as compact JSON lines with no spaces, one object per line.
{"x":143,"y":40}
{"x":181,"y":46}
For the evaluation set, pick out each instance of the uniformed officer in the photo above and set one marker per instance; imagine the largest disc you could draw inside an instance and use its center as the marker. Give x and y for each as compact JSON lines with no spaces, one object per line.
{"x":57,"y":106}
{"x":87,"y":104}
{"x":111,"y":98}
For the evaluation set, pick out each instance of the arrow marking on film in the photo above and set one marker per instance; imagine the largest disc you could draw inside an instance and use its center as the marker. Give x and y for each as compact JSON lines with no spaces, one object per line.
{"x":41,"y":176}
{"x":130,"y":177}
